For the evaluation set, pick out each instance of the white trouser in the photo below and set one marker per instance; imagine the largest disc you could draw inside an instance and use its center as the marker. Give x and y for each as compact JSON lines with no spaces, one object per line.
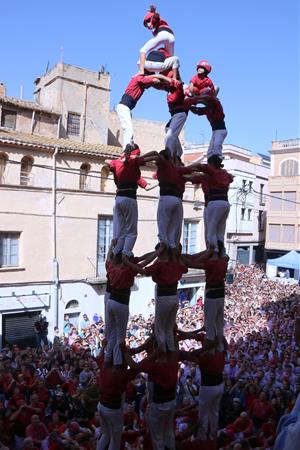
{"x":162,"y":39}
{"x":205,"y":226}
{"x":117,"y":319}
{"x":169,"y":220}
{"x":173,"y":130}
{"x":106,"y":297}
{"x":217,"y":213}
{"x":166,"y":65}
{"x":166,"y":307}
{"x":209,"y":403}
{"x":125,"y":218}
{"x":112,"y":427}
{"x":124,"y":114}
{"x":215,"y":144}
{"x":161,"y":427}
{"x":214,"y":320}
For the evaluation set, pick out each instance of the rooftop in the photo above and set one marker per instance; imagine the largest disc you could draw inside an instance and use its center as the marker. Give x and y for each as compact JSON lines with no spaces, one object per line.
{"x":26,"y":104}
{"x":64,"y":145}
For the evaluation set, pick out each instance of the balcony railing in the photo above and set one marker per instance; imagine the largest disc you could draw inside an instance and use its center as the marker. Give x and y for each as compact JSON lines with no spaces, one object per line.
{"x":288,"y":143}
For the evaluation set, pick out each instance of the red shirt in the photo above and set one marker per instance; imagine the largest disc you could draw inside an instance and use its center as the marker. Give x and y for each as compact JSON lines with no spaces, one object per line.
{"x":43,"y":394}
{"x":201,"y":83}
{"x":54,"y":426}
{"x":175,"y":97}
{"x":126,"y":173}
{"x":198,"y":444}
{"x":142,"y":182}
{"x":53,"y":379}
{"x":163,"y":373}
{"x":217,"y":179}
{"x":164,"y":52}
{"x":166,"y":272}
{"x":137,"y":86}
{"x":168,"y":175}
{"x":261,"y":409}
{"x":215,"y":271}
{"x":213,"y":111}
{"x":245,"y":426}
{"x":161,"y":23}
{"x":112,"y":384}
{"x":37,"y":432}
{"x":120,"y":277}
{"x":203,"y":180}
{"x":211,"y":364}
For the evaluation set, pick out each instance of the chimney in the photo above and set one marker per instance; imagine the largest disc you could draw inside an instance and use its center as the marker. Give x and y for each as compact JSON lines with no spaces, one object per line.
{"x":2,"y":90}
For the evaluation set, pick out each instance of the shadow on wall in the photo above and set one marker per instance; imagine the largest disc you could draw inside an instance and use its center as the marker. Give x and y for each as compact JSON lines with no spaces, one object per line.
{"x":113,"y":139}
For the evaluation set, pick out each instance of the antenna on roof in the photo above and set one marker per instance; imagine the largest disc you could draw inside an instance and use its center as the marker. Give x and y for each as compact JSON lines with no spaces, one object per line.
{"x":61,"y":54}
{"x":21,"y":91}
{"x":47,"y":67}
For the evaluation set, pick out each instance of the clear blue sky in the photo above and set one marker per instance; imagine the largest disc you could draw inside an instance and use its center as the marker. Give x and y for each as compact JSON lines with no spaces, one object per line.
{"x":253,"y":46}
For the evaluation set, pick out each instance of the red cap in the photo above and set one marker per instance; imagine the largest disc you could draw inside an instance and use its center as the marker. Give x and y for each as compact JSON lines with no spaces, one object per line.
{"x":136,"y":151}
{"x":205,"y":64}
{"x":150,"y":16}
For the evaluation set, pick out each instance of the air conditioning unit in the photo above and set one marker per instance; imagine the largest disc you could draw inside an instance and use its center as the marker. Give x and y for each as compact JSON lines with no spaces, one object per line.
{"x":197,"y":206}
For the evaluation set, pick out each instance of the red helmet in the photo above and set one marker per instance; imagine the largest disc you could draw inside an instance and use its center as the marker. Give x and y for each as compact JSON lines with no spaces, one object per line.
{"x":150,"y":15}
{"x":205,"y":64}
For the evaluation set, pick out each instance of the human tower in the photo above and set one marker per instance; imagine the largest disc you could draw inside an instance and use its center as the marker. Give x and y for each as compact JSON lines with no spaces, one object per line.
{"x":159,"y":68}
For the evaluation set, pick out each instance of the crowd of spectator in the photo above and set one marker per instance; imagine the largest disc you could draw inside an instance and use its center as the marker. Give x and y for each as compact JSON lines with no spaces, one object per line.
{"x":49,"y":394}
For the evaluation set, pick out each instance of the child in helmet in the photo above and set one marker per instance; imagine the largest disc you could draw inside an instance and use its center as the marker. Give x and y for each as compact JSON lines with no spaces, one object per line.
{"x":214,"y":112}
{"x":201,"y":84}
{"x":163,"y":40}
{"x":131,"y":96}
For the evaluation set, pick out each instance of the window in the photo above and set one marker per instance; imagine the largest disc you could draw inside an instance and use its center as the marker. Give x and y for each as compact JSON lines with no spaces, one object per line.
{"x":288,"y":233}
{"x":72,"y":304}
{"x":189,"y":237}
{"x":274,"y":233}
{"x":289,"y":201}
{"x":260,"y":221}
{"x":249,"y":214}
{"x":9,"y":249}
{"x":83,"y":177}
{"x":8,"y":119}
{"x":261,"y":195}
{"x":103,"y":242}
{"x":250,"y":185}
{"x":104,"y":177}
{"x":25,"y":173}
{"x":3,"y":161}
{"x":244,"y":184}
{"x":73,"y":125}
{"x":276,"y":198}
{"x":243,"y":255}
{"x":243,"y":210}
{"x":289,"y":168}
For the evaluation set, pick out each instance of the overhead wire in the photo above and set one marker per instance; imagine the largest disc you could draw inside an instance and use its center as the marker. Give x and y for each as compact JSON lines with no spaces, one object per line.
{"x":241,"y":189}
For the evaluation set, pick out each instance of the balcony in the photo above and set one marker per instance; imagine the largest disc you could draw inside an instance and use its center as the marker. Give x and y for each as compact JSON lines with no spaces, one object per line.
{"x":288,"y":144}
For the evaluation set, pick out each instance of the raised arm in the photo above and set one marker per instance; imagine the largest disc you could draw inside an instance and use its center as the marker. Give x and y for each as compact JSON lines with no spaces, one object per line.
{"x":166,"y":80}
{"x":191,"y":87}
{"x":145,"y":256}
{"x":191,"y":262}
{"x":189,"y":356}
{"x":153,"y":255}
{"x":199,"y":111}
{"x":141,"y":348}
{"x":149,"y":187}
{"x":136,"y":267}
{"x":151,"y":156}
{"x":195,"y":334}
